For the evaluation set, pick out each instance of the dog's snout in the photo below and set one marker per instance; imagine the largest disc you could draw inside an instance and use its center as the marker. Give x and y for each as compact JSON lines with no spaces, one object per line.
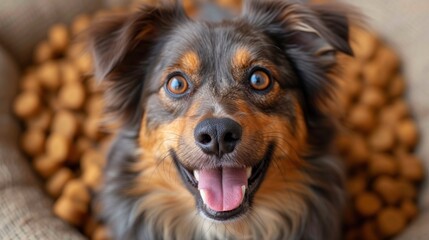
{"x":217,"y":135}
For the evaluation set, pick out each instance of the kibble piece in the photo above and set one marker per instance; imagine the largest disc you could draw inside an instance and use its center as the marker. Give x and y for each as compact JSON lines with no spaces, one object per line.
{"x":388,"y":59}
{"x":70,"y":211}
{"x":45,"y":166}
{"x":90,"y":226}
{"x":359,"y":153}
{"x":41,"y":121}
{"x":80,"y":23}
{"x":101,"y":233}
{"x":375,"y":75}
{"x":369,"y":231}
{"x":69,"y":73}
{"x":59,"y":37}
{"x":407,"y":133}
{"x":84,"y":63}
{"x":411,"y":168}
{"x":33,"y":142}
{"x":368,"y":204}
{"x":382,"y":139}
{"x":30,"y":82}
{"x":364,"y":43}
{"x":356,"y":185}
{"x":72,"y":96}
{"x":407,"y":189}
{"x":394,"y":113}
{"x":92,"y":177}
{"x":66,"y":124}
{"x":49,"y":75}
{"x":397,"y":86}
{"x":388,"y":189}
{"x":382,"y":164}
{"x":409,"y":209}
{"x":27,"y":104}
{"x":91,"y":128}
{"x":43,"y":52}
{"x":373,"y":97}
{"x":56,"y":183}
{"x":390,"y":221}
{"x":58,"y":147}
{"x":77,"y":191}
{"x":353,"y":87}
{"x":95,"y":105}
{"x":77,"y":150}
{"x":362,"y":118}
{"x":91,"y":158}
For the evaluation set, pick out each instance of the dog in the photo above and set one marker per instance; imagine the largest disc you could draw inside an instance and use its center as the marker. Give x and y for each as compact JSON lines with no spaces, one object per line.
{"x":223,"y":130}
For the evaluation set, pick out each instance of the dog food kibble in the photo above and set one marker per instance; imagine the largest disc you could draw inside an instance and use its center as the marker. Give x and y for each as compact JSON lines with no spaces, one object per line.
{"x":383,"y":164}
{"x":374,"y":98}
{"x":57,"y":147}
{"x":101,"y":233}
{"x":397,"y":87}
{"x":369,"y":231}
{"x":27,"y":104}
{"x":407,"y":133}
{"x":65,"y":123}
{"x":62,"y":107}
{"x":41,"y":121}
{"x":72,"y":96}
{"x":59,"y":37}
{"x":49,"y":75}
{"x":368,"y":204}
{"x":70,"y":211}
{"x":80,"y":24}
{"x":46,"y":166}
{"x":362,"y":118}
{"x":382,"y":139}
{"x":33,"y":142}
{"x":390,"y":221}
{"x":30,"y":82}
{"x":69,"y":73}
{"x":43,"y":52}
{"x":411,"y":168}
{"x":77,"y":191}
{"x":56,"y":183}
{"x":409,"y":209}
{"x":386,"y":187}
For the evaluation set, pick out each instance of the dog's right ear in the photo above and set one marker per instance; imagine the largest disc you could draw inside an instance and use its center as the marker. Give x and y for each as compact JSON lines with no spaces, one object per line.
{"x":121,"y":46}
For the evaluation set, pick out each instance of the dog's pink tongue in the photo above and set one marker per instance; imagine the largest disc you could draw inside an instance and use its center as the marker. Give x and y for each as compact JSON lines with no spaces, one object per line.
{"x":221,"y":189}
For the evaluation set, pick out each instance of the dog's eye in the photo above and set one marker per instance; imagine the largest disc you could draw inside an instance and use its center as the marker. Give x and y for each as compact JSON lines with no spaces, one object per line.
{"x":259,"y":80}
{"x":177,"y":85}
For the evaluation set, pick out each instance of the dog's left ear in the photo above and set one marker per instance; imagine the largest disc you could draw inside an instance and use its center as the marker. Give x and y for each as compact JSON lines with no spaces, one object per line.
{"x":310,"y":36}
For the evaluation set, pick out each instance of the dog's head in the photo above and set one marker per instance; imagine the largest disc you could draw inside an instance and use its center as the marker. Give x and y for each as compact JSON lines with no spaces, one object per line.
{"x":228,"y":107}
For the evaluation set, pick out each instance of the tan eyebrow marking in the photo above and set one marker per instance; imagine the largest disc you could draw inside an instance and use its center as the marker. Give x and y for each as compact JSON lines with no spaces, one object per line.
{"x":190,"y":62}
{"x":241,"y":58}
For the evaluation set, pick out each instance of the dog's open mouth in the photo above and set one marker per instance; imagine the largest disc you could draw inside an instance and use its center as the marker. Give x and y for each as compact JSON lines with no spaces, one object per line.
{"x":224,"y":193}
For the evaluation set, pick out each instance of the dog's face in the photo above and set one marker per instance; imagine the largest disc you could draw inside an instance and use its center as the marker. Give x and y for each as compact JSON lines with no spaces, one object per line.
{"x":226,"y":111}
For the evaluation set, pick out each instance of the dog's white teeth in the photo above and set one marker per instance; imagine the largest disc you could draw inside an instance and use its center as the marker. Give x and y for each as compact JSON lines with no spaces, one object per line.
{"x":248,"y":172}
{"x":197,"y":175}
{"x":203,"y":195}
{"x":243,"y":191}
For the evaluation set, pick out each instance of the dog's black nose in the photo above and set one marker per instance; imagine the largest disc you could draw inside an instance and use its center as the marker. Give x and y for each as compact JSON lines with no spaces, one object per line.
{"x":217,"y":135}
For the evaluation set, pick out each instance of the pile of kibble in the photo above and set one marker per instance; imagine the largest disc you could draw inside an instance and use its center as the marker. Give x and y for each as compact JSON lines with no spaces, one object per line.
{"x":62,"y":107}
